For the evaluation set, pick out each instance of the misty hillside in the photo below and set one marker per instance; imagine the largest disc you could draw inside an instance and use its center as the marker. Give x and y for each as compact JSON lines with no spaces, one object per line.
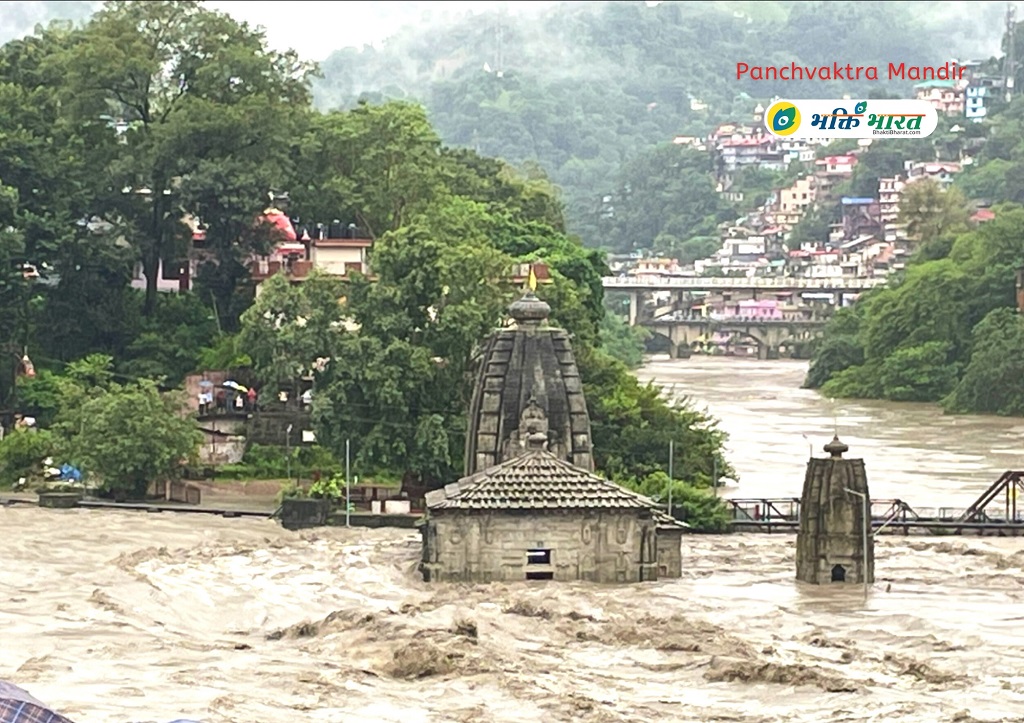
{"x":583,"y":87}
{"x":20,"y":18}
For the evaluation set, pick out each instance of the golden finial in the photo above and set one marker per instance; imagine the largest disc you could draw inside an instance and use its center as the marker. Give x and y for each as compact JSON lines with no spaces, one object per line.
{"x":531,"y":280}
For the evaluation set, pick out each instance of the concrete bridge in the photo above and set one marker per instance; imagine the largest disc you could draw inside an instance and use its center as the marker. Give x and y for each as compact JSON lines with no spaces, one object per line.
{"x":768,"y":334}
{"x":682,"y":289}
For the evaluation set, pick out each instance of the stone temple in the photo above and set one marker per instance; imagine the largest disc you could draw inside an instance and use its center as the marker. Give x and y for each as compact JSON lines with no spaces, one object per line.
{"x":830,"y":545}
{"x":530,"y":506}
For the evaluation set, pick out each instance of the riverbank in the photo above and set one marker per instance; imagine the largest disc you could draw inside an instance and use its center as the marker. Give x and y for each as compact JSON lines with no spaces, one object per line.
{"x":116,"y":616}
{"x":912,"y":451}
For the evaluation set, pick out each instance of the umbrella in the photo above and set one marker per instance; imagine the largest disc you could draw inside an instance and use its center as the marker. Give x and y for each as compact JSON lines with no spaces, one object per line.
{"x":235,"y":385}
{"x":17,"y":706}
{"x":205,"y":384}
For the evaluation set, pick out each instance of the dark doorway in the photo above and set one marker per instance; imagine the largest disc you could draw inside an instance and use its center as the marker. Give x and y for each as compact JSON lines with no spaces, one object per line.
{"x":540,"y":576}
{"x":838,"y":574}
{"x":538,"y":557}
{"x":538,"y":565}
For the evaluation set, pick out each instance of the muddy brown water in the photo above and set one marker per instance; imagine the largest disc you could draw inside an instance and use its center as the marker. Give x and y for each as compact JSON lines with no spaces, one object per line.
{"x":911,"y":452}
{"x":118,"y":617}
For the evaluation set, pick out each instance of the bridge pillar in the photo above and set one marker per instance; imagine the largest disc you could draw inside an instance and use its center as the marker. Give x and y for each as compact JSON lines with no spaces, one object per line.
{"x":679,"y":351}
{"x":634,"y":307}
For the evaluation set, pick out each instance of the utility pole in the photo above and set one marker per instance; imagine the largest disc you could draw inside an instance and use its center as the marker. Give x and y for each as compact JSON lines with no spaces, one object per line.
{"x":348,"y":488}
{"x":288,"y":451}
{"x":1010,"y":61}
{"x":671,"y":458}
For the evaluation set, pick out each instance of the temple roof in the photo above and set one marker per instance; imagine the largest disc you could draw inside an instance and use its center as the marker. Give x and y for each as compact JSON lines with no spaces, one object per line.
{"x":536,"y":480}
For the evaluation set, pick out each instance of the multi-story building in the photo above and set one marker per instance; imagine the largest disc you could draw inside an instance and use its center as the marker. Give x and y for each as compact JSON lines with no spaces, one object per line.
{"x":945,"y":96}
{"x":762,"y":151}
{"x":861,"y":217}
{"x":793,"y":202}
{"x":941,"y":173}
{"x":831,"y":170}
{"x":333,"y":248}
{"x":889,"y":206}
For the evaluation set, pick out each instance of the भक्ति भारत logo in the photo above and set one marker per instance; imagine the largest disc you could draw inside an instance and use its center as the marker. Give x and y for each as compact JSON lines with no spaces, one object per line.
{"x":782,"y":119}
{"x":845,"y":118}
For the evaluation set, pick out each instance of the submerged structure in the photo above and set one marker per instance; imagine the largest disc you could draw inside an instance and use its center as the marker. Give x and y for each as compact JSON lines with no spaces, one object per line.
{"x":530,"y":506}
{"x":527,"y":383}
{"x":538,"y":517}
{"x":834,"y":543}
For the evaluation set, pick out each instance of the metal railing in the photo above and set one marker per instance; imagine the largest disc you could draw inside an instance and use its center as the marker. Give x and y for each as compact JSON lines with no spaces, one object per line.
{"x":756,"y":282}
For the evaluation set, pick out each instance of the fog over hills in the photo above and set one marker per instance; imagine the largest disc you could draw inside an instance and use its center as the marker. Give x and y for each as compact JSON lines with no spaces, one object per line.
{"x":583,"y":88}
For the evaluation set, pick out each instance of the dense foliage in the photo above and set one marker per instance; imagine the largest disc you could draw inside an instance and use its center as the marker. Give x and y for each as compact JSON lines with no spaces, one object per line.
{"x":116,"y":134}
{"x":126,"y":435}
{"x":946,"y":329}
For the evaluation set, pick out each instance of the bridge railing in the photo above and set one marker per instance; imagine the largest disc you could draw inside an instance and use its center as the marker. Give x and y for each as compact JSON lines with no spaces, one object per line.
{"x":727,"y":320}
{"x":756,"y":282}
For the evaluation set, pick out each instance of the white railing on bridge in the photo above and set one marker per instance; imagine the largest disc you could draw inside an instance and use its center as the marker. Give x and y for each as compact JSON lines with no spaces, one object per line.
{"x":719,"y":320}
{"x":728,"y":282}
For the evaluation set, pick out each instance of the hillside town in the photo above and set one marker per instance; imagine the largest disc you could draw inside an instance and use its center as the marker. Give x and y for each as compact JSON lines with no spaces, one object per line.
{"x":868,"y":240}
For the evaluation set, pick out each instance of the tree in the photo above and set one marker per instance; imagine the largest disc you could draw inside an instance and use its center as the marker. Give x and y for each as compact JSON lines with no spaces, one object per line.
{"x":291,"y":326}
{"x":399,"y":388}
{"x":665,"y":192}
{"x":813,"y":226}
{"x":185,"y":83}
{"x":376,"y":164}
{"x":134,"y":436}
{"x":632,"y":425}
{"x":993,"y":382}
{"x":930,"y":212}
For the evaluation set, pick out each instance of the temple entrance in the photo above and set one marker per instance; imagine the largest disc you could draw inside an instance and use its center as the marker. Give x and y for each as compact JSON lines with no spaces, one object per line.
{"x":538,"y":565}
{"x":838,"y":574}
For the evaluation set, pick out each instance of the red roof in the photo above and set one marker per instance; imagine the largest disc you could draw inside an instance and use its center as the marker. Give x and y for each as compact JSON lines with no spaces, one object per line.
{"x":983,"y":214}
{"x":838,"y":160}
{"x":281,"y":223}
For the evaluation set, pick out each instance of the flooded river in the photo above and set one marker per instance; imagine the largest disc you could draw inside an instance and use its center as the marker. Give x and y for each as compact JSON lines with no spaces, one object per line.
{"x":125,"y":617}
{"x":912,"y":452}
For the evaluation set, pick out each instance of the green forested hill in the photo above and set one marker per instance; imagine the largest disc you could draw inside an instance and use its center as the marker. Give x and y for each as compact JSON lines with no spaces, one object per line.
{"x":583,"y":88}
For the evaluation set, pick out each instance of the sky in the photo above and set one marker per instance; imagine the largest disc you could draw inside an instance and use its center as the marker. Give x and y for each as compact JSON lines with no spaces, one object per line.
{"x":314,"y":29}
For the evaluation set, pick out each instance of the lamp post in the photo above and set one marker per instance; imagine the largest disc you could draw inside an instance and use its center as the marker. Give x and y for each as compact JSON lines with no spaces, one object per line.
{"x":671,"y":458}
{"x":288,"y":451}
{"x":864,"y":533}
{"x":348,"y":488}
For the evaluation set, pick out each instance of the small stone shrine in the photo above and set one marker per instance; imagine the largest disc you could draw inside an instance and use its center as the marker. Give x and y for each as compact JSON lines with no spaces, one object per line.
{"x":830,"y":546}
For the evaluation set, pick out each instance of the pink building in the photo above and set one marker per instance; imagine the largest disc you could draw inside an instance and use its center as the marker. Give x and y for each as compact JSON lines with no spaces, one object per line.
{"x":749,"y":309}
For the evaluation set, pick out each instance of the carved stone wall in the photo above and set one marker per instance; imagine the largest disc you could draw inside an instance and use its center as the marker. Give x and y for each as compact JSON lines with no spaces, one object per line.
{"x":670,"y":553}
{"x":484,"y":547}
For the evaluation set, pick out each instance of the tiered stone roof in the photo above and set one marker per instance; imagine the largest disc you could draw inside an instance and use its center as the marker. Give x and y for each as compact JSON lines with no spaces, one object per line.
{"x":539,"y":480}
